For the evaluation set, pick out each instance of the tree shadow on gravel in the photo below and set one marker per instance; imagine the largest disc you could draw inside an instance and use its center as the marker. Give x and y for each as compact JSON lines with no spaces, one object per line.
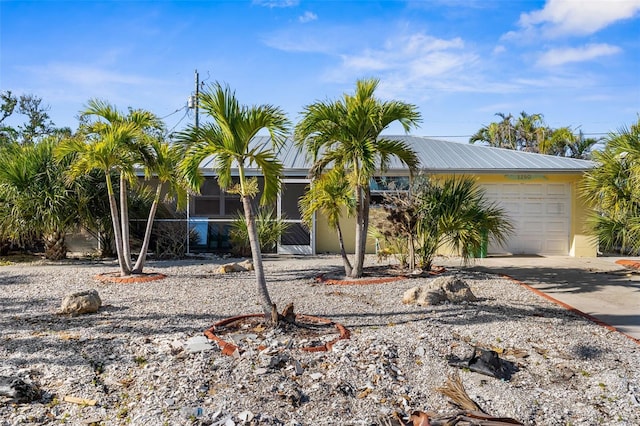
{"x":454,"y":315}
{"x":566,"y":280}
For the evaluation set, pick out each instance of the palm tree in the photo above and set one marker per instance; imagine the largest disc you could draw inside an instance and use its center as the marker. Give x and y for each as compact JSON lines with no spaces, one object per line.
{"x":530,"y":132}
{"x":164,"y":168}
{"x":228,"y":138}
{"x":332,"y":195}
{"x":613,"y":189}
{"x":345,"y":134}
{"x":449,"y":213}
{"x":113,"y":142}
{"x":35,"y":201}
{"x":497,"y":134}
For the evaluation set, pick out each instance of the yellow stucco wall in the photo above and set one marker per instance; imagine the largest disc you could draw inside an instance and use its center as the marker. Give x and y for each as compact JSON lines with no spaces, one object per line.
{"x":580,"y":244}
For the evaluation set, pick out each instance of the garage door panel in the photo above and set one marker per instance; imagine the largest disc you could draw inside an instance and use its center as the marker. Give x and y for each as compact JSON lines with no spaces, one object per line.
{"x":539,"y":213}
{"x":533,"y":208}
{"x":557,"y":189}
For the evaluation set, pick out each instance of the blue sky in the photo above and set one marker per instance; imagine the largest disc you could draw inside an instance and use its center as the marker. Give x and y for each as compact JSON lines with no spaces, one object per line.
{"x":460,"y":62}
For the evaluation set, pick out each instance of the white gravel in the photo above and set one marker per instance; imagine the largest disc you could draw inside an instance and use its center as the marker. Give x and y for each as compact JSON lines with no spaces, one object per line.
{"x":129,"y":356}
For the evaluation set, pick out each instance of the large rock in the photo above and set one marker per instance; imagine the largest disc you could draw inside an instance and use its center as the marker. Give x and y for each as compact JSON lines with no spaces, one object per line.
{"x":442,"y":289}
{"x":17,"y":389}
{"x":83,"y":302}
{"x":246,"y":265}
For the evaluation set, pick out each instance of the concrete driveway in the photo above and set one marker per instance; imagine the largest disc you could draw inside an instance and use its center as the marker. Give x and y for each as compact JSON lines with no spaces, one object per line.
{"x":596,"y":286}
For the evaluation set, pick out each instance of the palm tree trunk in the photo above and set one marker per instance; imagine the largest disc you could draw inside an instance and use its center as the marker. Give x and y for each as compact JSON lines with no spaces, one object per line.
{"x":359,"y":252}
{"x":124,"y":221}
{"x":347,"y":265}
{"x":142,"y":257}
{"x":124,"y":270}
{"x":54,"y":245}
{"x":256,"y":256}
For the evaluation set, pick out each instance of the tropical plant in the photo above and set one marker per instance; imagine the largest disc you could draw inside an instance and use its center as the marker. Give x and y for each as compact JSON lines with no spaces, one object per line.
{"x":528,"y":132}
{"x":565,"y":143}
{"x":35,"y":201}
{"x":613,"y":190}
{"x":332,"y":195}
{"x":270,"y":229}
{"x":168,"y":181}
{"x":228,"y":138}
{"x":450,"y":212}
{"x":115,"y":142}
{"x":345,"y":134}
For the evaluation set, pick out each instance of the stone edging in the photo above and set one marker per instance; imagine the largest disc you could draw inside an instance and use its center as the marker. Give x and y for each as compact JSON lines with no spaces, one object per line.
{"x":572,"y":309}
{"x":366,"y":281}
{"x":228,"y":348}
{"x":629,"y":264}
{"x":114,"y":277}
{"x":358,"y":281}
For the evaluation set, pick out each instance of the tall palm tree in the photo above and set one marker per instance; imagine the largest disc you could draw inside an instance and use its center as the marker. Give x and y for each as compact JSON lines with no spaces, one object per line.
{"x":228,"y":138}
{"x":613,"y":189}
{"x":113,"y":142}
{"x":332,"y":195}
{"x":35,"y":201}
{"x":345,"y":134}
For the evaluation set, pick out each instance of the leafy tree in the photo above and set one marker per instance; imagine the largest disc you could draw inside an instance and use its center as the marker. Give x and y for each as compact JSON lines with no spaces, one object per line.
{"x":37,"y":125}
{"x":345,"y":134}
{"x":332,"y":195}
{"x":613,"y":189}
{"x":451,"y":212}
{"x":228,"y":138}
{"x":35,"y":200}
{"x":114,"y":143}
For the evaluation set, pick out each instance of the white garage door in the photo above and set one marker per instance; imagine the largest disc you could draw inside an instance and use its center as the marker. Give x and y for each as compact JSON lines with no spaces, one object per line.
{"x":540,"y":214}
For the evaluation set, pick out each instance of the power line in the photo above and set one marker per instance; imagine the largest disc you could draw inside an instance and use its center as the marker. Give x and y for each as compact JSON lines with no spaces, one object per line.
{"x":186,"y":112}
{"x":170,"y":114}
{"x":468,"y":136}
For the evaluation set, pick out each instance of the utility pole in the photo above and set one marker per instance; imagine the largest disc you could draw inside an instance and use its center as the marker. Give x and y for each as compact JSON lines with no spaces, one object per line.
{"x":192,"y":104}
{"x":196,"y":101}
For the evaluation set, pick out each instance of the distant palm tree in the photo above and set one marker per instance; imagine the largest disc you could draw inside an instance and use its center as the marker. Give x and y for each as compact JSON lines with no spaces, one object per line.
{"x":229,"y":139}
{"x":113,"y":142}
{"x":345,"y":134}
{"x":332,"y":195}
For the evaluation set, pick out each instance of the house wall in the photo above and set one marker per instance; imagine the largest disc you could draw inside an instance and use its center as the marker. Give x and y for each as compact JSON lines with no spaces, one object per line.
{"x":580,"y":244}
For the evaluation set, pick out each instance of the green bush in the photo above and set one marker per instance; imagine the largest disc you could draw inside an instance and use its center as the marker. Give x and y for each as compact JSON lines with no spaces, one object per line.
{"x":270,"y":228}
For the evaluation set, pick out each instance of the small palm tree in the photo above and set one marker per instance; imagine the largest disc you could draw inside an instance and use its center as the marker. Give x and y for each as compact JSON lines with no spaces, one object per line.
{"x":345,"y":134}
{"x":332,"y":195}
{"x":164,"y":169}
{"x":444,"y":213}
{"x":228,"y":138}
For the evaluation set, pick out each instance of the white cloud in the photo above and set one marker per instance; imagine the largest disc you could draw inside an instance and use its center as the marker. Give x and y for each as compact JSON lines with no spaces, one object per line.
{"x":276,"y":3}
{"x":499,"y":49}
{"x":573,"y":17}
{"x":561,"y":56}
{"x":307,"y":17}
{"x":410,"y":58}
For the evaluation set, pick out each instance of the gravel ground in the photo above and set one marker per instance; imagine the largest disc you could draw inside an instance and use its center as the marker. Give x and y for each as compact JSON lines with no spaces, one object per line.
{"x":130,"y":358}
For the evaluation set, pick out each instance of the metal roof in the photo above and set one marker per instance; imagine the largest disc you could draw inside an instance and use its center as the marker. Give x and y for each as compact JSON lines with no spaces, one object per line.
{"x":443,"y":157}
